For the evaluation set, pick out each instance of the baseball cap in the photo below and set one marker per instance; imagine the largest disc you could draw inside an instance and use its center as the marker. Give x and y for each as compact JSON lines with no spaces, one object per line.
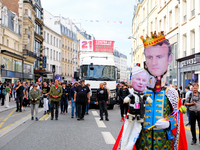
{"x":82,"y":80}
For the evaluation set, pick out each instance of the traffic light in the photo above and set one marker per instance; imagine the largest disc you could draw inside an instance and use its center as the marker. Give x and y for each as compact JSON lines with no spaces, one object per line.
{"x":138,"y":64}
{"x":53,"y":68}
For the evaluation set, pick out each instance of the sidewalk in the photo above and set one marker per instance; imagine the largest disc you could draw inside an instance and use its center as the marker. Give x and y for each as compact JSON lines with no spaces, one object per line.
{"x":12,"y":105}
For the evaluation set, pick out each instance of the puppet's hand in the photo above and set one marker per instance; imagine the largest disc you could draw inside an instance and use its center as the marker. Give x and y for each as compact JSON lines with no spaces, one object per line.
{"x":149,"y":100}
{"x":161,"y":124}
{"x":126,"y":99}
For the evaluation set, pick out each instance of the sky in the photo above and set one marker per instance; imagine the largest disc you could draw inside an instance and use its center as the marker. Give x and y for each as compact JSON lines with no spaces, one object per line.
{"x":103,"y":11}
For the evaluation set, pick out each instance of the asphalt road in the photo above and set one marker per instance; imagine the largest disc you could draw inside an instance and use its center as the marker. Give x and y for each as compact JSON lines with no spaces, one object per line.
{"x":18,"y":132}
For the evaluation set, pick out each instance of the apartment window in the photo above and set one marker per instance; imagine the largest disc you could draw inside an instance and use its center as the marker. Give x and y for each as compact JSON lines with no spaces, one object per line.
{"x":51,"y":54}
{"x":170,"y":20}
{"x":16,"y":25}
{"x":44,"y":35}
{"x":176,"y":15}
{"x":56,"y":42}
{"x":47,"y":52}
{"x":184,"y":45}
{"x":26,"y":11}
{"x":29,"y":13}
{"x":54,"y":55}
{"x":3,"y":40}
{"x":192,"y":8}
{"x":184,"y":10}
{"x":5,"y":17}
{"x":192,"y":41}
{"x":47,"y":37}
{"x":51,"y":40}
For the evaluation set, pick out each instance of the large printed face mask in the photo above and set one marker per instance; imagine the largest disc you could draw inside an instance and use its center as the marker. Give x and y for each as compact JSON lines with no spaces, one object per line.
{"x":140,"y":81}
{"x":157,"y":59}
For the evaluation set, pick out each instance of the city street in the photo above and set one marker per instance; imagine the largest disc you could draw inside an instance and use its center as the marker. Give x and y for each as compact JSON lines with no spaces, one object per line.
{"x":66,"y":133}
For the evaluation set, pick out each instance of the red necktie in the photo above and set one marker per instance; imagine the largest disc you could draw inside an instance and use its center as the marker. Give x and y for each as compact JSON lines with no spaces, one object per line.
{"x":158,"y":85}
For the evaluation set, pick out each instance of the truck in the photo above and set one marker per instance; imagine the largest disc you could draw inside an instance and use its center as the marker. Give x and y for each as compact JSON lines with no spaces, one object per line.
{"x":96,"y":68}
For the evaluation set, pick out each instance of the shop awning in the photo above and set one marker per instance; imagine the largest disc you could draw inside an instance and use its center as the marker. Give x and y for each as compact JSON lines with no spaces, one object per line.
{"x":6,"y":52}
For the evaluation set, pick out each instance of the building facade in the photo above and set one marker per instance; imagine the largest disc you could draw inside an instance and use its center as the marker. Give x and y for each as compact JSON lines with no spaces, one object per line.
{"x":52,"y":47}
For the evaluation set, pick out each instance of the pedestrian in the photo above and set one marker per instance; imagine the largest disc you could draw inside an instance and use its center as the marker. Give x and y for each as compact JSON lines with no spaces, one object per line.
{"x":45,"y":92}
{"x":108,"y":90}
{"x":3,"y":93}
{"x":55,"y":93}
{"x":88,"y":104}
{"x":102,"y":101}
{"x":131,"y":89}
{"x":71,"y":100}
{"x":64,"y":99}
{"x":24,"y":101}
{"x":7,"y":96}
{"x":20,"y":94}
{"x":188,"y":92}
{"x":67,"y":90}
{"x":81,"y":96}
{"x":176,"y":88}
{"x":34,"y":96}
{"x":193,"y":101}
{"x":122,"y":93}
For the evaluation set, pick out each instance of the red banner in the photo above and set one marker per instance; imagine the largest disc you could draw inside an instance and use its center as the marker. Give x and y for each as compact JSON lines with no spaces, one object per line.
{"x":103,"y":46}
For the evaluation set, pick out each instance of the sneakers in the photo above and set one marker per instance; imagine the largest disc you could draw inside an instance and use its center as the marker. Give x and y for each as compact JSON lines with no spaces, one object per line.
{"x":45,"y":113}
{"x":193,"y":143}
{"x":87,"y":113}
{"x":78,"y":119}
{"x":72,"y":116}
{"x":101,"y":119}
{"x":107,"y":119}
{"x":122,"y":119}
{"x":32,"y":118}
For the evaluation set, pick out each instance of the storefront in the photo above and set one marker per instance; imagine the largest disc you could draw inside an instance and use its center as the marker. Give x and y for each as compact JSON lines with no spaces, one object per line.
{"x":188,"y":70}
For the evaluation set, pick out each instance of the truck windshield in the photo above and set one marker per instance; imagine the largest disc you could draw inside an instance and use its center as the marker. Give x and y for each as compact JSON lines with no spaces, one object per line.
{"x":100,"y":72}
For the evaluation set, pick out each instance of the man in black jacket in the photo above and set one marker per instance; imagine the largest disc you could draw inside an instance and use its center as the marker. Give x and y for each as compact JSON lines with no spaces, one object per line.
{"x":122,"y":93}
{"x":102,"y":100}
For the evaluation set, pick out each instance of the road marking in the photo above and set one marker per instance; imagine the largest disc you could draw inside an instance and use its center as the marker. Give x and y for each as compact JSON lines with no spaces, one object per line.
{"x":109,"y":139}
{"x":6,"y":118}
{"x":20,"y":113}
{"x":45,"y":117}
{"x":188,"y":128}
{"x":100,"y":123}
{"x":95,"y":113}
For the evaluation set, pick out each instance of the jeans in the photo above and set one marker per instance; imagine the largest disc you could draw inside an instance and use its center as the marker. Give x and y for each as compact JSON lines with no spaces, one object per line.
{"x":62,"y":104}
{"x":103,"y":108}
{"x":56,"y":104}
{"x":2,"y":99}
{"x":79,"y":106}
{"x":188,"y":114}
{"x":87,"y":107}
{"x":193,"y":118}
{"x":19,"y":103}
{"x":66,"y":99}
{"x":73,"y":106}
{"x":34,"y":106}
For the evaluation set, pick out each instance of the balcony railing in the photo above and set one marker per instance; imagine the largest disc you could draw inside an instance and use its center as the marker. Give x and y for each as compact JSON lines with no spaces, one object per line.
{"x":26,"y":52}
{"x":185,"y":18}
{"x":193,"y":12}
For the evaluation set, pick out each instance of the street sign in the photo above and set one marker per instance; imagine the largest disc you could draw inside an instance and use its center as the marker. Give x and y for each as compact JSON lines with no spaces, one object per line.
{"x":44,"y":63}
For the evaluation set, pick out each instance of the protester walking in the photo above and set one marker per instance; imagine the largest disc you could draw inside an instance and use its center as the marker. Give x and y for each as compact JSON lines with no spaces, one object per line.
{"x":88,"y":104}
{"x":55,"y":93}
{"x":3,"y":93}
{"x":34,"y":96}
{"x":193,"y":101}
{"x":188,"y":92}
{"x":20,"y":94}
{"x":64,"y":99}
{"x":122,"y":93}
{"x":102,"y":101}
{"x":7,"y":95}
{"x":71,"y":100}
{"x":45,"y":92}
{"x":81,"y":96}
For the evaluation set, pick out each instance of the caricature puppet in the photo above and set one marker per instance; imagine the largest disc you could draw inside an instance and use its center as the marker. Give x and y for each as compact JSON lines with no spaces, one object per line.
{"x":137,"y":100}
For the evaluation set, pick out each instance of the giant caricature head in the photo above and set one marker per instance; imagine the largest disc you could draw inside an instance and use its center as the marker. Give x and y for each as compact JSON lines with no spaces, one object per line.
{"x":158,"y":56}
{"x":139,"y":79}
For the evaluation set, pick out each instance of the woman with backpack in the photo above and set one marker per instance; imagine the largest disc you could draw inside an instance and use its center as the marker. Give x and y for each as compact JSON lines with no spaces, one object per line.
{"x":7,"y":89}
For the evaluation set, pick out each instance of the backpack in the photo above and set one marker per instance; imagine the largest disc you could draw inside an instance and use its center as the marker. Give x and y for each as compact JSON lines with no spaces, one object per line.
{"x":4,"y":92}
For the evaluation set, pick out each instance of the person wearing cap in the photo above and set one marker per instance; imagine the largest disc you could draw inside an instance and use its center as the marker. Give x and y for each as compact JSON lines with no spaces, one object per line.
{"x":20,"y":94}
{"x":34,"y":96}
{"x":81,"y":96}
{"x":71,"y":99}
{"x":56,"y":94}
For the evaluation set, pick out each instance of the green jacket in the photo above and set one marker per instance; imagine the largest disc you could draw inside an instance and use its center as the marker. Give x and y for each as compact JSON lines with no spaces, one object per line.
{"x":56,"y":92}
{"x":35,"y":95}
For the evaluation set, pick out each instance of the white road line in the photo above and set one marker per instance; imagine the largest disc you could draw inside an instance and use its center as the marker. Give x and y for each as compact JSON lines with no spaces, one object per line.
{"x":94,"y":112}
{"x":100,"y":123}
{"x":109,"y":139}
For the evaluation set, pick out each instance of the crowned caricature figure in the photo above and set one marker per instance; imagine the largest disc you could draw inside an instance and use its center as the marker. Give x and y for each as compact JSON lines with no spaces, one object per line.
{"x":158,"y":131}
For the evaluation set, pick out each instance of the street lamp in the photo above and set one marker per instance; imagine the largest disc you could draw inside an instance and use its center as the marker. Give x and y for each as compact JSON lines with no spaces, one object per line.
{"x":131,"y":37}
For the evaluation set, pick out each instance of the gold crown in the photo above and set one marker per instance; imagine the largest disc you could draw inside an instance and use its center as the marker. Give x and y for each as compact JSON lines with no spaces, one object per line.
{"x":154,"y":39}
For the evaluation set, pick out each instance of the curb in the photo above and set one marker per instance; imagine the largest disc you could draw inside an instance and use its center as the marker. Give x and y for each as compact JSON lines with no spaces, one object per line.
{"x":11,"y":107}
{"x":16,"y":124}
